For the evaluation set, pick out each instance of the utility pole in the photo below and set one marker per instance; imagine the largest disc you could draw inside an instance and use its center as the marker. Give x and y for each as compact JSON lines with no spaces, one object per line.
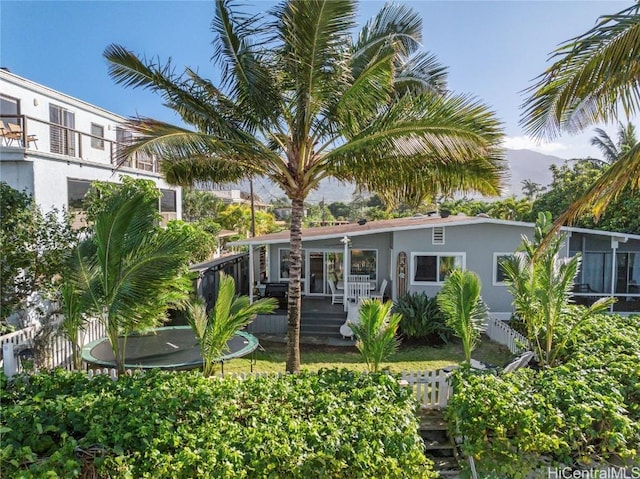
{"x":253,"y":210}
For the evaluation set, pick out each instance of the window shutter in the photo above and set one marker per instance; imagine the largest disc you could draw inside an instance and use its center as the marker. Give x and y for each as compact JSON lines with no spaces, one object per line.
{"x":437,"y":235}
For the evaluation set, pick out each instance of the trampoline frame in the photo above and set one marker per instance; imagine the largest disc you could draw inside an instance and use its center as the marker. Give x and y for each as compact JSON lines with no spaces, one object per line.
{"x":250,"y":348}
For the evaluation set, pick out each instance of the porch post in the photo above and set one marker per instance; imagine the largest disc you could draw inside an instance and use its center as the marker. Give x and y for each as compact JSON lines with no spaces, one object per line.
{"x":345,"y":264}
{"x":614,"y":248}
{"x":251,"y":273}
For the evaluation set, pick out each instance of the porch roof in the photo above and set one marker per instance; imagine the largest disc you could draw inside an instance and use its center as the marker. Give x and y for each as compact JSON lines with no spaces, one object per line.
{"x":401,"y":224}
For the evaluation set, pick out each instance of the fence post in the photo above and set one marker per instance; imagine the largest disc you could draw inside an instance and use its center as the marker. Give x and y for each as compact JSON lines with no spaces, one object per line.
{"x":9,"y":359}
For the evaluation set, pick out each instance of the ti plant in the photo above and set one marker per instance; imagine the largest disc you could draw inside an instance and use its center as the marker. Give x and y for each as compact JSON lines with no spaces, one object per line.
{"x":376,"y":332}
{"x":229,"y":314}
{"x":541,"y":283}
{"x":465,"y":312}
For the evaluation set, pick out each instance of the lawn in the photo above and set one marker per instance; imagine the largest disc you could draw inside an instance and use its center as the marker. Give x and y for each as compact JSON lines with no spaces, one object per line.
{"x":409,"y":358}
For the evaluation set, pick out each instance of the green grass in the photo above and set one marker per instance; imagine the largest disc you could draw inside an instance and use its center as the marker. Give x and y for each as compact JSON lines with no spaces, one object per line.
{"x":409,"y":358}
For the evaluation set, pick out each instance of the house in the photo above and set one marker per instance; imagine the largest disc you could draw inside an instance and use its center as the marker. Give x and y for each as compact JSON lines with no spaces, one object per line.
{"x":53,"y":146}
{"x":415,"y":254}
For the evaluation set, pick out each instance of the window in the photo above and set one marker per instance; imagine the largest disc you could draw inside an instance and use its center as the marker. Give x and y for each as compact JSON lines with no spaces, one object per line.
{"x":499,"y":276}
{"x":97,"y":136}
{"x":434,"y":268}
{"x":284,"y":264}
{"x":10,"y":109}
{"x":168,"y":201}
{"x":365,"y":261}
{"x":61,"y":133}
{"x":123,"y":139}
{"x":437,"y":235}
{"x":76,"y":191}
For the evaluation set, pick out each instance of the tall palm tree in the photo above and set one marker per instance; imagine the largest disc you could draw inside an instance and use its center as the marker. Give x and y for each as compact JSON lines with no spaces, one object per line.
{"x":300,"y":99}
{"x":595,"y":75}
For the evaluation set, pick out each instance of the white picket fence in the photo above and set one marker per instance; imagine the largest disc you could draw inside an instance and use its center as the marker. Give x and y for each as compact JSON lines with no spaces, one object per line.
{"x":432,"y":388}
{"x":501,"y":332}
{"x":60,"y":352}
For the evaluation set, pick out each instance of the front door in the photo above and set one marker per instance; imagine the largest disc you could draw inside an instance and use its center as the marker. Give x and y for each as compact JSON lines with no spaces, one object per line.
{"x":323,"y":265}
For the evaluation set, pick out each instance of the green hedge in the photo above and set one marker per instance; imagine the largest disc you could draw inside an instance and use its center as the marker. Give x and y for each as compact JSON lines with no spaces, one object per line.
{"x":182,"y":425}
{"x":586,"y":410}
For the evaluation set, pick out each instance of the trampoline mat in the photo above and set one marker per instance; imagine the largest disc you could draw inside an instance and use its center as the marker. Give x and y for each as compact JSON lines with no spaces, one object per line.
{"x":170,"y":348}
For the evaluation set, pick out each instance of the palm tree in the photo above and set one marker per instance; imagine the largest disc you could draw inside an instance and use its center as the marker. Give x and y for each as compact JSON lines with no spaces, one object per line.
{"x":595,"y":75}
{"x":129,"y":271}
{"x":612,"y":151}
{"x":228,"y":315}
{"x":300,"y":100}
{"x":376,"y":332}
{"x":465,"y":312}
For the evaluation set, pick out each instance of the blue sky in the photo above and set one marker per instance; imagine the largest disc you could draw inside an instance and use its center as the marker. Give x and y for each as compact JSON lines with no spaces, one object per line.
{"x":493,"y":48}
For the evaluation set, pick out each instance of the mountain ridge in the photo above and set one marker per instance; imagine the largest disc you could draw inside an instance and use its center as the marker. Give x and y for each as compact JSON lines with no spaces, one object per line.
{"x":522,"y":165}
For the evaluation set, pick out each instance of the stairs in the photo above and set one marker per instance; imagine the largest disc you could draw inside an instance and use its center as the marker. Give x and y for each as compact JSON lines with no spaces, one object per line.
{"x":438,"y":446}
{"x":321,"y":324}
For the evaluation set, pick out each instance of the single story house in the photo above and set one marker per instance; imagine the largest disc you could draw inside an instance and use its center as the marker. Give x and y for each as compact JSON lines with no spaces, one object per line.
{"x":414,"y":254}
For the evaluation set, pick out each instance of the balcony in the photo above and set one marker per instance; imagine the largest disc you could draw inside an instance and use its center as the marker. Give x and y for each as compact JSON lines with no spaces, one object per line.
{"x":32,"y":134}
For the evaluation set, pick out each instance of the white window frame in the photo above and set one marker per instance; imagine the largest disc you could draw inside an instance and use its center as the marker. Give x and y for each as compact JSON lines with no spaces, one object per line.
{"x":412,"y":265}
{"x":364,"y":249}
{"x":494,"y":277}
{"x":97,"y":140}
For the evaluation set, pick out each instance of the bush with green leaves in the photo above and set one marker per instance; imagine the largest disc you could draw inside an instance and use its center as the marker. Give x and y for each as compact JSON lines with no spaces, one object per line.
{"x":334,"y":424}
{"x":422,"y":318}
{"x":376,"y":332}
{"x":585,"y":410}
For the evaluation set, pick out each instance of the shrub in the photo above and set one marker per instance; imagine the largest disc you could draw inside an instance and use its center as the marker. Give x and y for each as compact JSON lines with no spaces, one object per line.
{"x":422,"y":318}
{"x":182,"y":425}
{"x":585,"y":410}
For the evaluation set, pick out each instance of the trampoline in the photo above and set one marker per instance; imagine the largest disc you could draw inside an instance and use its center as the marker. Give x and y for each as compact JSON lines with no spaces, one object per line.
{"x":173,"y":347}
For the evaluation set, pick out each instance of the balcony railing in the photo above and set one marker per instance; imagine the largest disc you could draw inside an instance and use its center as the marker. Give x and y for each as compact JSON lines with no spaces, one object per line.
{"x":44,"y":136}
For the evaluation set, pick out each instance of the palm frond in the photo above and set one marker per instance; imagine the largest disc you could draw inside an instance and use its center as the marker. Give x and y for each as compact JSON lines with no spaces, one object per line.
{"x":596,"y":73}
{"x":248,"y":79}
{"x":422,"y":72}
{"x":605,"y":144}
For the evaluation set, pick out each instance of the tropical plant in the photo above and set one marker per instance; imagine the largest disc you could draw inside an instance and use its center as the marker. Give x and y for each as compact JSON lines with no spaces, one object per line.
{"x":301,"y":100}
{"x":376,"y":332}
{"x":466,"y":313}
{"x":129,"y":270}
{"x":228,"y":315}
{"x":421,"y":317}
{"x":541,"y":283}
{"x":627,"y":139}
{"x":35,"y":248}
{"x":73,"y":319}
{"x":198,"y":205}
{"x":593,"y":76}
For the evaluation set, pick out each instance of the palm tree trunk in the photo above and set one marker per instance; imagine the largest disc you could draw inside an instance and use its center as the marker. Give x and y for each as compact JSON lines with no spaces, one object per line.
{"x":295,"y":277}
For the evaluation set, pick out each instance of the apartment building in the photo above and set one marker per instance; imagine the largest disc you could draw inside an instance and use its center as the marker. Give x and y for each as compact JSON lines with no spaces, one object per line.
{"x":53,"y":146}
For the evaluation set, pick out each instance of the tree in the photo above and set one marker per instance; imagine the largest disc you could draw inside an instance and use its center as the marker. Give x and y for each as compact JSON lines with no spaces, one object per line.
{"x":197,"y":205}
{"x":570,"y":182}
{"x":229,"y":314}
{"x":35,"y":249}
{"x":301,"y":100}
{"x":465,"y":312}
{"x":541,"y":283}
{"x":626,"y":141}
{"x":531,"y":189}
{"x":376,"y":332}
{"x":594,"y":75}
{"x":129,"y":270}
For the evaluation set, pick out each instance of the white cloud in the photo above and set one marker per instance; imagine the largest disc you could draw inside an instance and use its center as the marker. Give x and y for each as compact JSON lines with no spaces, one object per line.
{"x":527,"y":143}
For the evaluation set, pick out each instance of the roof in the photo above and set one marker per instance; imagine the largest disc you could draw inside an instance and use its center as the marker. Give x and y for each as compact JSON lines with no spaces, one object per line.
{"x":403,"y":224}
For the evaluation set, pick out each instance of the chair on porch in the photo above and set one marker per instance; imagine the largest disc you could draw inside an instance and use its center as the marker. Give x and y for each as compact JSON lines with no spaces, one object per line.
{"x":336,"y":297}
{"x":380,"y":294}
{"x":355,"y":291}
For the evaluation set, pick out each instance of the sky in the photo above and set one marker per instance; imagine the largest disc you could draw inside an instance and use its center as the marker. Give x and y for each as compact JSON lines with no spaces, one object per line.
{"x":493,"y":49}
